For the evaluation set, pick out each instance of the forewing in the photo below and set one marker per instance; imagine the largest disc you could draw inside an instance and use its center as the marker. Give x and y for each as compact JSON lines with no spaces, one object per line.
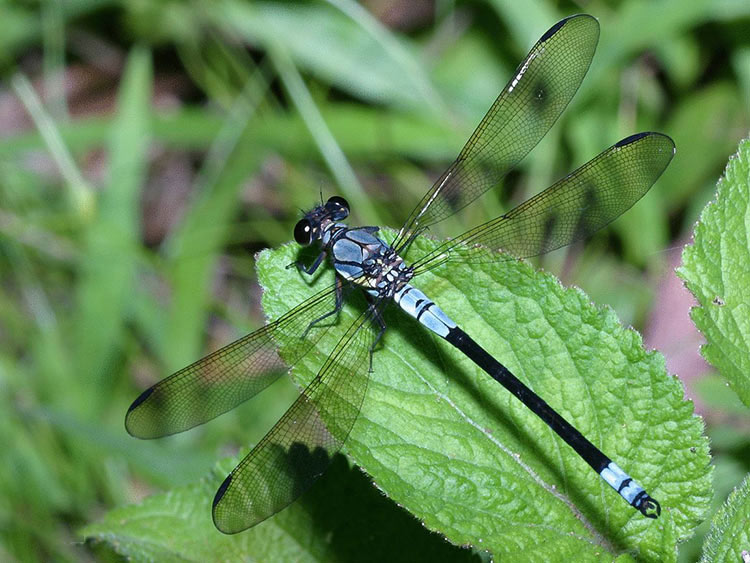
{"x":299,"y":448}
{"x":541,"y":88}
{"x":575,"y":207}
{"x":224,"y":379}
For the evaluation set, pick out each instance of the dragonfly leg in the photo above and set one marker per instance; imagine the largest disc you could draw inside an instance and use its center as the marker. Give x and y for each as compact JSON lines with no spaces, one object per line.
{"x":309,"y":270}
{"x":378,"y":318}
{"x":339,"y":295}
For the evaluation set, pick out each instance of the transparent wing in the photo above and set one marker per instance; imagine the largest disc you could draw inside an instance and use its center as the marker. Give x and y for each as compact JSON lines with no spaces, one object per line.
{"x":528,"y":106}
{"x":224,"y":379}
{"x":299,"y":448}
{"x":575,"y":207}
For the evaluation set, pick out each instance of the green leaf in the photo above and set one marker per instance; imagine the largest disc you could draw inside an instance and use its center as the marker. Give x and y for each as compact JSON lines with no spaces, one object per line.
{"x":338,"y":519}
{"x":715,"y":269}
{"x":729,"y":538}
{"x":460,"y":453}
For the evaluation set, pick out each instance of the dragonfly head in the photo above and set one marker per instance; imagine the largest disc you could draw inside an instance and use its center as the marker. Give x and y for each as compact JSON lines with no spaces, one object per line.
{"x":310,"y":227}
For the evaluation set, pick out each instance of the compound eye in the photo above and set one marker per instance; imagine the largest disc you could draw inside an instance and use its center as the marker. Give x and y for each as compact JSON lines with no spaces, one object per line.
{"x":303,"y":232}
{"x":340,"y":204}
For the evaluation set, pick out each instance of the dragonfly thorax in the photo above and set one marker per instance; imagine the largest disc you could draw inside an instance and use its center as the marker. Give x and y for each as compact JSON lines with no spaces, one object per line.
{"x":360,"y":256}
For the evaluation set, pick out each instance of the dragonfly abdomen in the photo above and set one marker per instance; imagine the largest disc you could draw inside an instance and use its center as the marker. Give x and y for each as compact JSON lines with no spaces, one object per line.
{"x":608,"y":470}
{"x":422,"y":308}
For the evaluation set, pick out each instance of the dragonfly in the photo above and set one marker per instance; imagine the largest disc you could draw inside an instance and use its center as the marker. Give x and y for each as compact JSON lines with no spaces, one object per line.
{"x":299,"y":448}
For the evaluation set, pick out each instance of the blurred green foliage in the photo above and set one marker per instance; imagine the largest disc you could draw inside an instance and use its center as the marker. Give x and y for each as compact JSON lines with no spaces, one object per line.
{"x":149,"y":148}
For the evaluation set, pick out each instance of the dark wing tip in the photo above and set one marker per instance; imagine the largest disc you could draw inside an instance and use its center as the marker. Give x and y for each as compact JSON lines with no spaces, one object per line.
{"x":638,"y":136}
{"x":130,"y":420}
{"x":221,"y":526}
{"x":555,"y":28}
{"x":140,"y":399}
{"x":221,"y":491}
{"x":632,"y":139}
